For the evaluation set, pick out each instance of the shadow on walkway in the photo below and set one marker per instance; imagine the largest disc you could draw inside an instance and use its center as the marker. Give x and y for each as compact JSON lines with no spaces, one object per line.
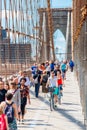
{"x":63,"y":112}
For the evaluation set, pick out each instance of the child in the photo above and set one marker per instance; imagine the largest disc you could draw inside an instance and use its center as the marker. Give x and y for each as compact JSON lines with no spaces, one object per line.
{"x":3,"y":120}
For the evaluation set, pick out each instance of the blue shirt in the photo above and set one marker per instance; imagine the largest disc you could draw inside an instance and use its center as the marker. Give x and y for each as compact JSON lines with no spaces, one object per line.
{"x":52,"y":66}
{"x":34,"y":69}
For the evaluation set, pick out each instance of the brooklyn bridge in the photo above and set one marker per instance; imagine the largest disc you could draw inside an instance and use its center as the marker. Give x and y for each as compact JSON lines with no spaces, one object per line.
{"x":27,"y":30}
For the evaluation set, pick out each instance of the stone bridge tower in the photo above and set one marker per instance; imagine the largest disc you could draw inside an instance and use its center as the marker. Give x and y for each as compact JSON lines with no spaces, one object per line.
{"x":61,"y":19}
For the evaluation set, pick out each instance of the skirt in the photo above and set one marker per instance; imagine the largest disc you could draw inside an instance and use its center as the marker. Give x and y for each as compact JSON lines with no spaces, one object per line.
{"x":56,"y":91}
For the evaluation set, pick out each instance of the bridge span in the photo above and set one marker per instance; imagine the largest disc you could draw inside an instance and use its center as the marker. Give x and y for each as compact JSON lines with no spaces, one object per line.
{"x":26,"y":36}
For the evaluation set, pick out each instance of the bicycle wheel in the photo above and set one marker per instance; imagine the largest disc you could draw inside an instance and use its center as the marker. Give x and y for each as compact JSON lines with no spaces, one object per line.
{"x":52,"y":102}
{"x":59,"y":101}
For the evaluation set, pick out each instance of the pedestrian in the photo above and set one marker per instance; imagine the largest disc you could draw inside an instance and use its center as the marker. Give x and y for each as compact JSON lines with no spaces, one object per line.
{"x":52,"y":65}
{"x":10,"y":109}
{"x":6,"y":86}
{"x":34,"y":69}
{"x":59,"y":85}
{"x":24,"y":90}
{"x":23,"y":74}
{"x":16,"y":96}
{"x":71,"y":65}
{"x":37,"y":81}
{"x":56,"y":69}
{"x":42,"y":67}
{"x":64,"y":69}
{"x":48,"y":69}
{"x":2,"y":91}
{"x":44,"y":81}
{"x":3,"y":120}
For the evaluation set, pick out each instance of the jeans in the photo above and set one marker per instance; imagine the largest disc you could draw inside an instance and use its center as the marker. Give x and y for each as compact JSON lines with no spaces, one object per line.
{"x":71,"y":69}
{"x":59,"y":91}
{"x":37,"y":86}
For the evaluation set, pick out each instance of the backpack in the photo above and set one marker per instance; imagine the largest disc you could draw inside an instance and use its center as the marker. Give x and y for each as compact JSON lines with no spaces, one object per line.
{"x":9,"y":111}
{"x":45,"y":78}
{"x":71,"y":64}
{"x":2,"y":122}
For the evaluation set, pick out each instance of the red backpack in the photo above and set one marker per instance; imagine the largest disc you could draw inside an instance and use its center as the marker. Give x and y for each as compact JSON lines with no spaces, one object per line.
{"x":2,"y":122}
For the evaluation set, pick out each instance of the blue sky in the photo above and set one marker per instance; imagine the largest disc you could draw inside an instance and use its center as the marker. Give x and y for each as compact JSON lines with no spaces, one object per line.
{"x":61,"y":3}
{"x":59,"y":40}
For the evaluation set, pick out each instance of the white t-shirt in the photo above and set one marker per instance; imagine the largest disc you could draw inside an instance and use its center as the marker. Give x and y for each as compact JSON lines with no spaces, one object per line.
{"x":48,"y":68}
{"x":52,"y":81}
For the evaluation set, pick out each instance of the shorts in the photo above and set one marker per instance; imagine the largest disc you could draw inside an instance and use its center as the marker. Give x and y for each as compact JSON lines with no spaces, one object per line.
{"x":64,"y":71}
{"x":56,"y":91}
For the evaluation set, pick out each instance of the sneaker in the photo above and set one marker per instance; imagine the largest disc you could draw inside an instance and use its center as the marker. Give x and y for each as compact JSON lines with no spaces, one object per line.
{"x":18,"y":121}
{"x":61,"y":94}
{"x":55,"y":106}
{"x":49,"y":99}
{"x":22,"y":121}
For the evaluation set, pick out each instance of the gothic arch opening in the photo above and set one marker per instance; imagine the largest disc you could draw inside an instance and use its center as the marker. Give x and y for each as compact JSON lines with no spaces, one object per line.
{"x":59,"y":45}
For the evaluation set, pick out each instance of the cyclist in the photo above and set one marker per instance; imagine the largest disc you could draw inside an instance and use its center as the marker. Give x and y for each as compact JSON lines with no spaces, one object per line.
{"x":52,"y":83}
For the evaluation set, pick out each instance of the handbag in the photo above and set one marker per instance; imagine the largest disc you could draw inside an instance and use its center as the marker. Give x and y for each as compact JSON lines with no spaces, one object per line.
{"x":36,"y":80}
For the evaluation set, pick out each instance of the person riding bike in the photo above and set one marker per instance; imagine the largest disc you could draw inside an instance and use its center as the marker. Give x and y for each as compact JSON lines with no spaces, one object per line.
{"x":52,"y":83}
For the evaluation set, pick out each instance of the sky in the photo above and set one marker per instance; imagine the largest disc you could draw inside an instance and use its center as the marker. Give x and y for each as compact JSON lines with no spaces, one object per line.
{"x":59,"y":40}
{"x":61,"y":3}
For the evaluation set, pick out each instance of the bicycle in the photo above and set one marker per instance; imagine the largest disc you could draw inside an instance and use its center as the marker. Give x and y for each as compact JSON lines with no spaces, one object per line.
{"x":51,"y":90}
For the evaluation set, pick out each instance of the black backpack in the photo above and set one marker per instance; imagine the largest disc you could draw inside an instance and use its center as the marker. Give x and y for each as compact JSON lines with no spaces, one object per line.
{"x":45,"y":78}
{"x":9,"y":111}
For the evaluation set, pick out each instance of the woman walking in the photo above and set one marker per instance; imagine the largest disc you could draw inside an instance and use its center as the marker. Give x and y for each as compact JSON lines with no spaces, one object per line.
{"x":16,"y":96}
{"x":24,"y":90}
